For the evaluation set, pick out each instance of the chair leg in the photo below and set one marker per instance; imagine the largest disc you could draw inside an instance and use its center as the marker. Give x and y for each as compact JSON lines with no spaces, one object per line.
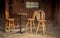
{"x":14,"y":26}
{"x":6,"y":26}
{"x":34,"y":25}
{"x":38,"y":27}
{"x":9,"y":27}
{"x":44,"y":28}
{"x":27,"y":24}
{"x":31,"y":26}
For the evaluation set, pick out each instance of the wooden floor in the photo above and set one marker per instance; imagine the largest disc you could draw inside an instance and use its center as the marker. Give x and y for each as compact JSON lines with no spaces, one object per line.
{"x":52,"y":32}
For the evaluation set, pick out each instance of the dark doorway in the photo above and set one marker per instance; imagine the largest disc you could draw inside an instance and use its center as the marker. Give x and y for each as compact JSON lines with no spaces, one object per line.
{"x":53,"y":4}
{"x":54,"y":11}
{"x":2,"y":12}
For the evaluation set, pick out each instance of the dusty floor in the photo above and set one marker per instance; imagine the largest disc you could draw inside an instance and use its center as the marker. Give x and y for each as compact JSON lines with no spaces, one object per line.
{"x":52,"y":32}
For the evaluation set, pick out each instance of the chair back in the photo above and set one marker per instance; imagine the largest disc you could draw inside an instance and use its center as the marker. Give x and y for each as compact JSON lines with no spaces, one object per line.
{"x":41,"y":15}
{"x":7,"y":15}
{"x":35,"y":14}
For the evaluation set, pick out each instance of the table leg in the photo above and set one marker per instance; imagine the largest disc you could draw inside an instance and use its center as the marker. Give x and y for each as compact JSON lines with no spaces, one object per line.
{"x":20,"y":26}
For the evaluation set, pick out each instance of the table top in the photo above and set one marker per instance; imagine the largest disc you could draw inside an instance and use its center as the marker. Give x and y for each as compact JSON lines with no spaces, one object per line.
{"x":21,"y":13}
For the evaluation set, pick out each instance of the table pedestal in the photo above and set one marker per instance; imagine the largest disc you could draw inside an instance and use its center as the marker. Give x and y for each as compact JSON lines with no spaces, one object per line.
{"x":20,"y":14}
{"x":20,"y":26}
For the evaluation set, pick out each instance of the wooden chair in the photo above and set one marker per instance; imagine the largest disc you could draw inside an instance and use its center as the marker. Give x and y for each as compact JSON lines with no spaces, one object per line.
{"x":9,"y":22}
{"x":41,"y":21}
{"x":31,"y":21}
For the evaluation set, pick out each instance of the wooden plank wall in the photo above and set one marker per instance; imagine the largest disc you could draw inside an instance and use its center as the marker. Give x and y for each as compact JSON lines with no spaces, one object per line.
{"x":19,"y":7}
{"x":51,"y":13}
{"x":57,"y":14}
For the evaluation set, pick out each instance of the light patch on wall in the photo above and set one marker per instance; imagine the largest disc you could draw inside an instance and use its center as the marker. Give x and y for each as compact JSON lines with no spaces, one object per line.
{"x":32,"y":4}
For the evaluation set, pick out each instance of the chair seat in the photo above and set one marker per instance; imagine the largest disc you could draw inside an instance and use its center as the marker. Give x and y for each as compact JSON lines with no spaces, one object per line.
{"x":42,"y":20}
{"x":30,"y":19}
{"x":11,"y":19}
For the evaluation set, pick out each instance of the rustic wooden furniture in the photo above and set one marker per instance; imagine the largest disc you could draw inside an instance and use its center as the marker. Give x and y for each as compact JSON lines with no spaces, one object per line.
{"x":41,"y":20}
{"x":9,"y":22}
{"x":31,"y":21}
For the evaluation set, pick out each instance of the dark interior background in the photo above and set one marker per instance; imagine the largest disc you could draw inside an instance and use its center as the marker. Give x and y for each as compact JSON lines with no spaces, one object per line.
{"x":51,"y":8}
{"x":2,"y":12}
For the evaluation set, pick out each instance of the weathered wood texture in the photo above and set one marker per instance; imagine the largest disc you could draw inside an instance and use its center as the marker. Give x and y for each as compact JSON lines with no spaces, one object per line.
{"x":18,"y":6}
